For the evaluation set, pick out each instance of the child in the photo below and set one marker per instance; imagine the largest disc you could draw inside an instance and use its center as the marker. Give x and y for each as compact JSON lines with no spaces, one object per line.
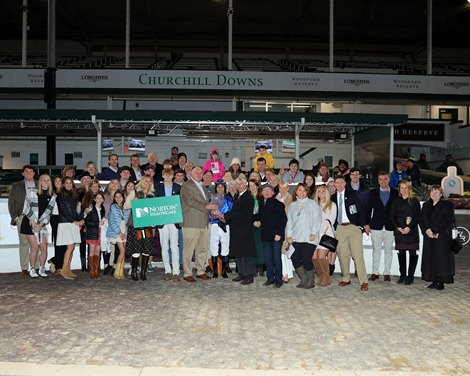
{"x":215,"y":165}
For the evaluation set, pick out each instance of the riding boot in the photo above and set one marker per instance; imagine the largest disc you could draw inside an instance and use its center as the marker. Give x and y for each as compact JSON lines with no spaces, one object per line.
{"x":143,"y":267}
{"x":319,"y":271}
{"x":324,"y":265}
{"x":91,"y":266}
{"x":402,"y":267}
{"x":303,"y":277}
{"x":215,"y":272}
{"x":224,"y":266}
{"x":97,"y":266}
{"x":411,"y":270}
{"x":134,"y":266}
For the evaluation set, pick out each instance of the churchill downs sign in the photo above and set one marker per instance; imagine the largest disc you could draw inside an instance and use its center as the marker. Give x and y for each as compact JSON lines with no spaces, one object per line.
{"x":156,"y":211}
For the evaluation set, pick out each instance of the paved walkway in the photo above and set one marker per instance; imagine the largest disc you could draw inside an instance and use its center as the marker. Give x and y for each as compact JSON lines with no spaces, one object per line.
{"x":54,"y":326}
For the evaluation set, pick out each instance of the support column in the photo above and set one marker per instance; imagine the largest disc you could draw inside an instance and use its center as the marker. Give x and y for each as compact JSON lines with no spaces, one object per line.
{"x":298,"y":129}
{"x":50,"y":150}
{"x":391,"y":163}
{"x":24,"y":34}
{"x":331,"y":59}
{"x":429,"y":33}
{"x":230,"y":33}
{"x":128,"y":32}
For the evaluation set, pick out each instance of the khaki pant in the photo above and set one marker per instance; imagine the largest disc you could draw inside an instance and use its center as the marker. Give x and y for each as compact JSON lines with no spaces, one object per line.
{"x":24,"y":246}
{"x":195,"y":242}
{"x":350,"y":246}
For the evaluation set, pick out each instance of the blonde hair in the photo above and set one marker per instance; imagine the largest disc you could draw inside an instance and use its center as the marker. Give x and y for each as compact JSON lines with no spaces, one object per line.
{"x":50,"y":191}
{"x":326,"y":205}
{"x":140,"y":184}
{"x":406,"y":183}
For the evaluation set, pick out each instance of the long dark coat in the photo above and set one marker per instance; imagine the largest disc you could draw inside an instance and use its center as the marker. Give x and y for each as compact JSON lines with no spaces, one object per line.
{"x":438,"y":262}
{"x":240,"y":219}
{"x":401,"y":209}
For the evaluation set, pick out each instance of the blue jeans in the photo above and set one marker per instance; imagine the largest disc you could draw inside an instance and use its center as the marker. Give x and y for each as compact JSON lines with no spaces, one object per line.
{"x":272,"y":254}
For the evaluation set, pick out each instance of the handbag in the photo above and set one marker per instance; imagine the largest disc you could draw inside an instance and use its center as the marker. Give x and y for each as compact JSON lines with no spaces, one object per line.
{"x":455,"y":240}
{"x":328,"y":241}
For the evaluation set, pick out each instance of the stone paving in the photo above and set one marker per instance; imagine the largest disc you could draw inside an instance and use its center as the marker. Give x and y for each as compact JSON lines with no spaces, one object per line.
{"x":220,"y":324}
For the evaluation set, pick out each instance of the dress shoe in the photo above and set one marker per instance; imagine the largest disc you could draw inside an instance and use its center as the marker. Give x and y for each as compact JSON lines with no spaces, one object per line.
{"x":440,"y":286}
{"x":432,"y":285}
{"x":278,"y":285}
{"x":409,"y":280}
{"x":332,"y":269}
{"x":238,"y":279}
{"x":190,"y":279}
{"x":205,"y":277}
{"x":247,"y":281}
{"x":24,"y":273}
{"x":373,"y":277}
{"x":342,"y":283}
{"x":364,"y":287}
{"x":268,"y":283}
{"x":401,"y":279}
{"x":387,"y":278}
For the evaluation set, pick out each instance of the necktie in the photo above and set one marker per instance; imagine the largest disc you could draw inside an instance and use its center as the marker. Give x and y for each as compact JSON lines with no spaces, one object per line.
{"x":340,"y":208}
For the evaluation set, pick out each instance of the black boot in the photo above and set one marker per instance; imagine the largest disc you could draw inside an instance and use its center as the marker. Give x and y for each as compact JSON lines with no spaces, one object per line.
{"x":224,"y":266}
{"x":411,"y":270}
{"x":134,"y":266}
{"x":402,"y":266}
{"x":215,"y":271}
{"x":83,"y":262}
{"x":332,"y":268}
{"x":143,"y":267}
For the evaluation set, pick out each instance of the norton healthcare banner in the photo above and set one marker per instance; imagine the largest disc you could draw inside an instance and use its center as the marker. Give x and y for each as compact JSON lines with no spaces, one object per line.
{"x":156,"y":211}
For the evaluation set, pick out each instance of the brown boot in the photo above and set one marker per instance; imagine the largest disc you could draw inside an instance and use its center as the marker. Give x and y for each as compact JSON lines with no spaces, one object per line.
{"x":319,"y":271}
{"x":96,"y":264}
{"x":325,"y":267}
{"x":91,"y":262}
{"x":65,"y":272}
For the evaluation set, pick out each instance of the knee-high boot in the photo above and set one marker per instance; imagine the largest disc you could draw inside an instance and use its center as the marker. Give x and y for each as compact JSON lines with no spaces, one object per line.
{"x":224,"y":266}
{"x":324,"y":266}
{"x":143,"y":267}
{"x":303,"y":277}
{"x":409,"y":280}
{"x":215,"y":272}
{"x":402,"y":266}
{"x":134,"y":266}
{"x":91,"y":266}
{"x":319,"y":271}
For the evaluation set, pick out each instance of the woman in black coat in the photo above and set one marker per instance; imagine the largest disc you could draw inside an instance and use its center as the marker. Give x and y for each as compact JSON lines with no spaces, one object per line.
{"x":94,"y":221}
{"x":242,"y":242}
{"x":404,"y":215}
{"x":436,"y":222}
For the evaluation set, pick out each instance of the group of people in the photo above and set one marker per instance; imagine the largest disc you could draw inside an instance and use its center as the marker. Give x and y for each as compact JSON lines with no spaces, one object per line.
{"x":268,"y":222}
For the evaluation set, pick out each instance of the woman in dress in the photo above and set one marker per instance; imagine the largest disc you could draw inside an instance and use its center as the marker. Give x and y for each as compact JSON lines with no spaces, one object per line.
{"x":139,"y":240}
{"x":83,"y":194}
{"x":302,"y":232}
{"x":404,"y":214}
{"x":117,"y":231}
{"x":328,"y":212}
{"x":70,"y":221}
{"x":436,"y":222}
{"x":37,"y":212}
{"x":255,"y":191}
{"x":55,"y":262}
{"x":94,"y":221}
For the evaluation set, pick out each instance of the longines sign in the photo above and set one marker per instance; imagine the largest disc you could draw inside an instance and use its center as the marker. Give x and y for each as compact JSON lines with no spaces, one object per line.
{"x":70,"y":79}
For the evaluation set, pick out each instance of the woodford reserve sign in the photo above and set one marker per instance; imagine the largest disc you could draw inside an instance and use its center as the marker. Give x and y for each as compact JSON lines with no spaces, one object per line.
{"x":422,"y":131}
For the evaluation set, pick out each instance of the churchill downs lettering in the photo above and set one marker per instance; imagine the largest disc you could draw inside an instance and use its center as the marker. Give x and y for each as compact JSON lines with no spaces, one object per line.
{"x":218,"y":80}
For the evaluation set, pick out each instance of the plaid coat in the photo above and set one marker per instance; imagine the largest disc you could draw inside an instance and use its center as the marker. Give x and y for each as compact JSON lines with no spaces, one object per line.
{"x":31,"y":209}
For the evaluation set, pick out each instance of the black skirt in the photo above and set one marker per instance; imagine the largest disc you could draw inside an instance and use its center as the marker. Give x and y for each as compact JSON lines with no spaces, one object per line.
{"x":26,"y":228}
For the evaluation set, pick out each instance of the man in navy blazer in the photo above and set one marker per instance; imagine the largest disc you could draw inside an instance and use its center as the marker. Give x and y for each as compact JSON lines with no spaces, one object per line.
{"x":349,"y":223}
{"x":380,"y":225}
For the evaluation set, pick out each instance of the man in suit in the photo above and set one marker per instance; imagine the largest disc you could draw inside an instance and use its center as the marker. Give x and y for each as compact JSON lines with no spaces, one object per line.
{"x":112,"y":171}
{"x":349,"y":221}
{"x":196,"y":207}
{"x":380,"y":225}
{"x":169,"y":232}
{"x":137,"y":173}
{"x":16,"y":200}
{"x":153,"y":161}
{"x":242,"y":240}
